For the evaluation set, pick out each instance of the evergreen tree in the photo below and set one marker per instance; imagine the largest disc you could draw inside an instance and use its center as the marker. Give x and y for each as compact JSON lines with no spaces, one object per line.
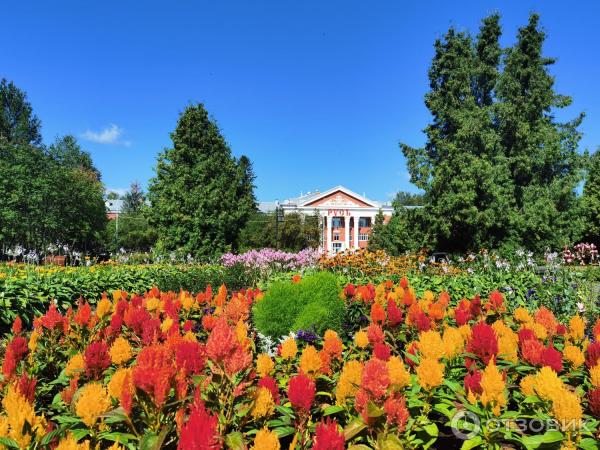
{"x":134,"y":199}
{"x":195,"y":196}
{"x":18,"y":124}
{"x":591,"y":201}
{"x":497,"y":169}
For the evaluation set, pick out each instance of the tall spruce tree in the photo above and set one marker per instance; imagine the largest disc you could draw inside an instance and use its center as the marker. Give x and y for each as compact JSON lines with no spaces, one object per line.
{"x":541,"y":152}
{"x":497,"y":169}
{"x":460,"y":169}
{"x":199,"y":201}
{"x":591,"y":201}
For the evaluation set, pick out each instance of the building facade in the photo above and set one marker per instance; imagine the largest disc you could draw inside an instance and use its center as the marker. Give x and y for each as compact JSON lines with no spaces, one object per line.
{"x":347,"y":218}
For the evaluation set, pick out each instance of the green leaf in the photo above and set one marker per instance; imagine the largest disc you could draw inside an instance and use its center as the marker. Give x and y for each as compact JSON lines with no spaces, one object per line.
{"x":472,"y":443}
{"x":354,"y":428}
{"x":235,"y":441}
{"x":431,"y":429}
{"x":333,"y":409}
{"x":547,"y":438}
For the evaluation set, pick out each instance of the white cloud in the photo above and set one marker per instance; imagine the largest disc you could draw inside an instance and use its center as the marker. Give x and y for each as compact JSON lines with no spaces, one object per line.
{"x":108,"y":135}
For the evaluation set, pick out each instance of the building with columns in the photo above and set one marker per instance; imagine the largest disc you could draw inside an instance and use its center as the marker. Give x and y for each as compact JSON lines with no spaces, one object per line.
{"x":347,"y":218}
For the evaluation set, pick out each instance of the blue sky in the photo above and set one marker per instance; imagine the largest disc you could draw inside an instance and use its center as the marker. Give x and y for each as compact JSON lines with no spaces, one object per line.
{"x":316,"y":93}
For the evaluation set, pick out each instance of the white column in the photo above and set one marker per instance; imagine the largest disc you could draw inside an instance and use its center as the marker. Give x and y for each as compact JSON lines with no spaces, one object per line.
{"x":346,"y":232}
{"x":356,"y":222}
{"x":328,"y":235}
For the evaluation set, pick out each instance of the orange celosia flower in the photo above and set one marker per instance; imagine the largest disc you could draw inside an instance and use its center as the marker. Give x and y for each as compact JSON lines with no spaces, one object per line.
{"x":264,"y":365}
{"x":289,"y":348}
{"x":117,"y":382}
{"x":545,"y":317}
{"x":75,"y":365}
{"x":361,"y":339}
{"x":266,"y":440}
{"x":349,"y":381}
{"x":120,"y":351}
{"x":430,"y":373}
{"x":573,"y":355}
{"x":264,"y":405}
{"x":310,"y":362}
{"x":431,"y":345}
{"x":92,"y":403}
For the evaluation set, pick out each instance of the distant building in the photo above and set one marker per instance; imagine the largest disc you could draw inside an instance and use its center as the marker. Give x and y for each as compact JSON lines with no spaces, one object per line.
{"x":113,"y":208}
{"x":347,"y":218}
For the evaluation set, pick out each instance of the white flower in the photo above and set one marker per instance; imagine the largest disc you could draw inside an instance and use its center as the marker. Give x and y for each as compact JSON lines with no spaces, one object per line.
{"x":580,"y":307}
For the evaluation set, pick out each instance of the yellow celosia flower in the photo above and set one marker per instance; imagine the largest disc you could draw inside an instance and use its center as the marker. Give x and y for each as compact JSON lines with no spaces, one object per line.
{"x":241,"y":332}
{"x":152,"y":303}
{"x":18,"y":413}
{"x":527,"y":385}
{"x":103,"y":308}
{"x":573,"y":355}
{"x":120,"y":351}
{"x":566,"y":409}
{"x":264,"y":405}
{"x":187,"y":301}
{"x":522,"y":315}
{"x":115,"y":385}
{"x":266,"y":440}
{"x":595,"y":375}
{"x":428,"y":296}
{"x":466,"y":332}
{"x":430,"y":373}
{"x":33,"y":339}
{"x":540,"y":331}
{"x":69,"y":443}
{"x":330,"y":334}
{"x":93,"y":402}
{"x":399,"y":376}
{"x":310,"y":361}
{"x":289,"y":348}
{"x":547,"y":384}
{"x":264,"y":365}
{"x":454,"y":343}
{"x":431,"y":345}
{"x":349,"y":381}
{"x":577,"y":328}
{"x":166,"y":324}
{"x":190,"y":336}
{"x":361,"y":339}
{"x":492,"y":385}
{"x":508,"y":342}
{"x":75,"y":365}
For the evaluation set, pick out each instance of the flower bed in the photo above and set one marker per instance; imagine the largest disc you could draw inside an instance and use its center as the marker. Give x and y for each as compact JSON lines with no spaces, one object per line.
{"x":167,"y":370}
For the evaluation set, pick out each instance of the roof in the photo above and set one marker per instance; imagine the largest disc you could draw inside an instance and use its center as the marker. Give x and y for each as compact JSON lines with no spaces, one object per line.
{"x":114,"y":206}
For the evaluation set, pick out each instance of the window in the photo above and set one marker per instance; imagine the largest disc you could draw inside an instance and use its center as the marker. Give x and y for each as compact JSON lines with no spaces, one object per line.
{"x":336,"y":236}
{"x":337,"y":247}
{"x":363,"y":237}
{"x":336,"y":222}
{"x":364,"y":222}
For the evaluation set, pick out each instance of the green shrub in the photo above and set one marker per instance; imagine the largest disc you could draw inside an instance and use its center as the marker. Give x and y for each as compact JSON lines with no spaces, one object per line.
{"x":314,"y":303}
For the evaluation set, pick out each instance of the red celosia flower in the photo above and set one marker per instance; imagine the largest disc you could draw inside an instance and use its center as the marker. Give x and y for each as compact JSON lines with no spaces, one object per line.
{"x":594,"y":401}
{"x":155,"y":372}
{"x":375,"y":378}
{"x":296,"y":279}
{"x":417,"y":317}
{"x":483,"y":342}
{"x":151,"y":331}
{"x":462,"y":316}
{"x":394,"y":313}
{"x":17,"y":325}
{"x":552,"y":358}
{"x":26,"y":387}
{"x":403,"y":283}
{"x":116,"y":322}
{"x":561,"y":330}
{"x":68,"y":393}
{"x":475,"y":306}
{"x":126,"y":398}
{"x":349,"y":290}
{"x":18,"y":347}
{"x":545,"y":317}
{"x":381,"y":351}
{"x":444,"y":299}
{"x":526,"y":334}
{"x":83,"y":315}
{"x":208,"y":322}
{"x":9,"y":366}
{"x":96,"y":359}
{"x":136,"y":317}
{"x":221,"y":341}
{"x":301,"y":392}
{"x":396,"y":411}
{"x":188,"y":325}
{"x":377,"y":313}
{"x":52,"y":319}
{"x":473,"y":382}
{"x":200,"y":431}
{"x":189,"y":357}
{"x":592,"y":354}
{"x":532,"y":350}
{"x":495,"y":302}
{"x":328,"y":436}
{"x":270,"y":383}
{"x":374,"y":333}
